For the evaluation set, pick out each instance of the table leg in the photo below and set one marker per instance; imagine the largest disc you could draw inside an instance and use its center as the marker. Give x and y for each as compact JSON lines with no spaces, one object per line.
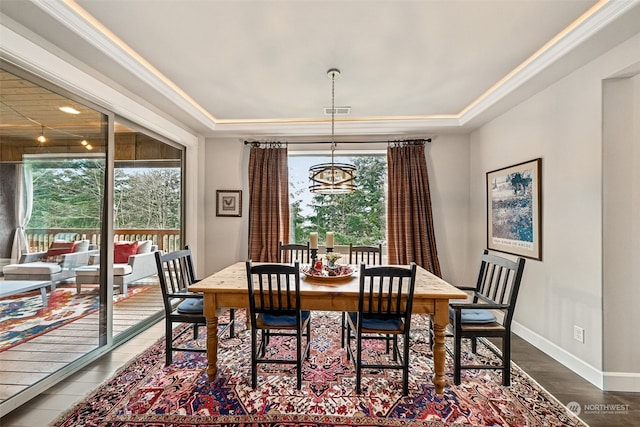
{"x":440,"y":321}
{"x":211,"y":315}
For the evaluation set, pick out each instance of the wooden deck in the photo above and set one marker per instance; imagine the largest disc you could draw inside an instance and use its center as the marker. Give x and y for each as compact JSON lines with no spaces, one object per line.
{"x":28,"y":363}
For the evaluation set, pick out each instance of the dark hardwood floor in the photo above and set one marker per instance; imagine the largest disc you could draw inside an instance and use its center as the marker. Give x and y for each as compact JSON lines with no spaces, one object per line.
{"x":597,"y":408}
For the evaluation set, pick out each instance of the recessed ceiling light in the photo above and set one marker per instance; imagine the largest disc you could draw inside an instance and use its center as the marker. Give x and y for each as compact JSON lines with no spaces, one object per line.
{"x":69,"y":110}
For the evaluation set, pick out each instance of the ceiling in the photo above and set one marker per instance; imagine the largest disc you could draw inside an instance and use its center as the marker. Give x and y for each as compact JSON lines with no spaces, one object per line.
{"x":258,"y":69}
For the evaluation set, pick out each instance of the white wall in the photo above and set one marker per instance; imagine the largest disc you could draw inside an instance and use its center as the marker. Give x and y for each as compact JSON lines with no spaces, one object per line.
{"x":448,"y":163}
{"x":225,"y":241}
{"x":563,"y":126}
{"x":621,"y":181}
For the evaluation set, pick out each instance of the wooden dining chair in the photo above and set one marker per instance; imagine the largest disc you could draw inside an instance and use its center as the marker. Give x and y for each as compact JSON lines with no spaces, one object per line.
{"x":290,"y":252}
{"x":369,"y":255}
{"x":222,"y":327}
{"x":488,"y":314}
{"x":180,"y":305}
{"x":274,"y":310}
{"x":384,"y":309}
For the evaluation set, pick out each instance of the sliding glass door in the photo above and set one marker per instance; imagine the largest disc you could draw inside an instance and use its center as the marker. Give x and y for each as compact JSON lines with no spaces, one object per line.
{"x":85,"y":201}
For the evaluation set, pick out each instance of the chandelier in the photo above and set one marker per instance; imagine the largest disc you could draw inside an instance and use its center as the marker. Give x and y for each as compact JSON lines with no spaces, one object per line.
{"x":332,"y":178}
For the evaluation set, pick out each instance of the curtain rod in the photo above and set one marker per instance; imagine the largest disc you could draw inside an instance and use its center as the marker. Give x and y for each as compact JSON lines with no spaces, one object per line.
{"x":389,"y":141}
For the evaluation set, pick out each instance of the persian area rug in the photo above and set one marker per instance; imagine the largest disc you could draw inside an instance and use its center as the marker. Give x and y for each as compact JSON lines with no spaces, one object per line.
{"x":146,"y":393}
{"x":22,"y":316}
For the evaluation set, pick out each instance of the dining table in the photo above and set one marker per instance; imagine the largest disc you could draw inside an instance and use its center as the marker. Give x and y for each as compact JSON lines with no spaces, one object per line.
{"x":228,"y":288}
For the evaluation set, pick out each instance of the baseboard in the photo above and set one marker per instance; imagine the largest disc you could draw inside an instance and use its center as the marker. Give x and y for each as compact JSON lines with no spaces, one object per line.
{"x":622,"y":381}
{"x":586,"y":371}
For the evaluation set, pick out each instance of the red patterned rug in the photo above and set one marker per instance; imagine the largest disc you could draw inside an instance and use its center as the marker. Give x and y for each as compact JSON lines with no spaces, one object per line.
{"x":146,"y":393}
{"x":22,"y":317}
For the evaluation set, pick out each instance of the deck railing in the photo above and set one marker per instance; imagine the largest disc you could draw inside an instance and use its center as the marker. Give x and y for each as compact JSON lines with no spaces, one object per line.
{"x":40,"y":239}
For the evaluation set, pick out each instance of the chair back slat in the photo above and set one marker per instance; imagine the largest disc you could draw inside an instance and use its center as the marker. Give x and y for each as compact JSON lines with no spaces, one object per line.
{"x":290,"y":252}
{"x":174,"y":273}
{"x":387,"y":292}
{"x":369,"y":255}
{"x":274,"y":288}
{"x":498,"y":282}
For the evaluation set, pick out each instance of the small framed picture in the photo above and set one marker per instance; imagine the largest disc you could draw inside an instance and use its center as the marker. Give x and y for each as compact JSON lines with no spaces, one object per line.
{"x":514,"y":210}
{"x":228,"y":202}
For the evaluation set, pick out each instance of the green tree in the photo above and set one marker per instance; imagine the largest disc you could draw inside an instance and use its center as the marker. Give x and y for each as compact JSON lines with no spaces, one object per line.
{"x":357,"y":218}
{"x":69,"y":194}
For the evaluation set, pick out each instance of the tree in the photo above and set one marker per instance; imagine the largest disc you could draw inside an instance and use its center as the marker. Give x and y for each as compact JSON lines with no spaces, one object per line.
{"x":69,"y":194}
{"x":357,"y":218}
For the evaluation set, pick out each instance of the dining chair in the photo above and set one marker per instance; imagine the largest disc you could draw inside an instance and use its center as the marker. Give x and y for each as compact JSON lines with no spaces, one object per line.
{"x":274,"y":309}
{"x":369,"y":255}
{"x":180,"y":305}
{"x":384,"y":309}
{"x":230,"y":326}
{"x":290,"y":252}
{"x":488,"y":314}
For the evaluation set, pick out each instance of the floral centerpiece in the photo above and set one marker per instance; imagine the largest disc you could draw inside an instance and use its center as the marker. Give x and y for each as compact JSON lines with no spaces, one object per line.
{"x":332,"y":257}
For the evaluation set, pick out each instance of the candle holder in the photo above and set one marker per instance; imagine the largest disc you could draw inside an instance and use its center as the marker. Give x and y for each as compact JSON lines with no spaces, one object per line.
{"x":314,"y":255}
{"x":329,"y":250}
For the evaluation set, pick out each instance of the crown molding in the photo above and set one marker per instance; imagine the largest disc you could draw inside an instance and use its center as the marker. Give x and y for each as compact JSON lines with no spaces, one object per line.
{"x":84,"y":25}
{"x":592,"y":21}
{"x":71,"y":15}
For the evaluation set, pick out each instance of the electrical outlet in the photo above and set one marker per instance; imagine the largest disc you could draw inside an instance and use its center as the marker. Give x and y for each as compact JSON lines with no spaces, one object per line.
{"x":578,"y":333}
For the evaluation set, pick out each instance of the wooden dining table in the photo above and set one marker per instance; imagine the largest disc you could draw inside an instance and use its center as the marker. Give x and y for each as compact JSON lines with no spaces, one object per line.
{"x":228,"y":289}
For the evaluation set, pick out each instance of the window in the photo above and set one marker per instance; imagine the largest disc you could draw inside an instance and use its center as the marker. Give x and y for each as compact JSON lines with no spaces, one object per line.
{"x":358,"y":218}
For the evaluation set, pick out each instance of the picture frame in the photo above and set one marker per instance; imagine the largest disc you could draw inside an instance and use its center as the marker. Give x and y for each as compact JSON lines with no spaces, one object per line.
{"x":229,"y":203}
{"x":514,"y":202}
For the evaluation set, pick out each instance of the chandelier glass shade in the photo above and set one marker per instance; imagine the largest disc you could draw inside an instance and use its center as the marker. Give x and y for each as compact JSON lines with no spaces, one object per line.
{"x":332,"y":178}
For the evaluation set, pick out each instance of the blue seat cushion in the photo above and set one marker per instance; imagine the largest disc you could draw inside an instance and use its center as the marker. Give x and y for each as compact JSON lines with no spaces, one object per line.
{"x":473,"y":315}
{"x":377,"y":323}
{"x":191,"y":306}
{"x":282,"y":320}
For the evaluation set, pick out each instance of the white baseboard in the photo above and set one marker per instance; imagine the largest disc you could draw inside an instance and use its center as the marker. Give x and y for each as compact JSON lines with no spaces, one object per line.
{"x":622,"y":381}
{"x":607,"y":381}
{"x":586,"y":371}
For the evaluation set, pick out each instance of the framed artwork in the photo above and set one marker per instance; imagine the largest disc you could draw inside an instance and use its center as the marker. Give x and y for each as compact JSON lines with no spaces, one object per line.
{"x":513,"y":210}
{"x":228,"y":202}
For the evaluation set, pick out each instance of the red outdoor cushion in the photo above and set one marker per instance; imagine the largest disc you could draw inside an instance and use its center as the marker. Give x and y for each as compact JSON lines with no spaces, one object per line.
{"x":59,"y":248}
{"x":123,"y":250}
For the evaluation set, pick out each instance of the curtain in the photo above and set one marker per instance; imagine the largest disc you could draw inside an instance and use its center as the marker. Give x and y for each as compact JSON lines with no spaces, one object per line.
{"x":268,"y":201}
{"x":410,"y":230}
{"x":24,"y":204}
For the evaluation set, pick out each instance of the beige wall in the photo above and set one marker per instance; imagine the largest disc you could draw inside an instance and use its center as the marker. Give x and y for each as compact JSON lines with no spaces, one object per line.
{"x":447,"y":160}
{"x":621,"y":237}
{"x":563,"y":126}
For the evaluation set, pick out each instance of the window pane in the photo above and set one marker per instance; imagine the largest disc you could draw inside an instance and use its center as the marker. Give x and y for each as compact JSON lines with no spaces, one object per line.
{"x":357,"y":218}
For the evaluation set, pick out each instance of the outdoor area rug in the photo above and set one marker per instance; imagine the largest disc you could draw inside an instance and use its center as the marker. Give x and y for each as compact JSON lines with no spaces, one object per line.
{"x":146,"y":393}
{"x":22,"y":316}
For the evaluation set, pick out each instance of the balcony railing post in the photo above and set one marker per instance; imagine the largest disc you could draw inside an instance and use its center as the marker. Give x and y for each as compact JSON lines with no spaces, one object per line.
{"x":166,"y":240}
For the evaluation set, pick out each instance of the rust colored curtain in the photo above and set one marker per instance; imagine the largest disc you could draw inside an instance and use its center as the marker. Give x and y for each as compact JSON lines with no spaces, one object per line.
{"x":409,"y":219}
{"x":268,"y":202}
